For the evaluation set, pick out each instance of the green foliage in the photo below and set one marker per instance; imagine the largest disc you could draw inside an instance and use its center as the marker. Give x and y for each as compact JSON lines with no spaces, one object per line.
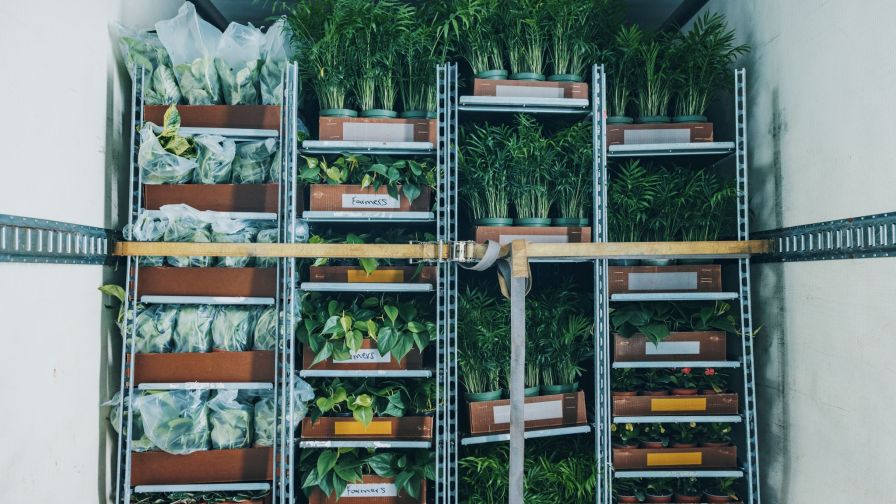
{"x":656,"y":320}
{"x":717,"y":432}
{"x":485,"y":163}
{"x":625,"y":379}
{"x":376,"y":236}
{"x":654,"y":76}
{"x":524,"y":36}
{"x":628,"y":434}
{"x":483,"y":328}
{"x":198,"y":497}
{"x":334,"y":328}
{"x":559,"y":336}
{"x":366,"y":399}
{"x":621,"y":68}
{"x":408,"y":174}
{"x":332,"y":470}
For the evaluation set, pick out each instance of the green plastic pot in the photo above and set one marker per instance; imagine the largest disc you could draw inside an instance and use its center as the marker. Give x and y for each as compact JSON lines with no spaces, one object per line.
{"x":527,"y":392}
{"x":620,"y":120}
{"x":527,"y":76}
{"x":338,"y":112}
{"x":564,"y":221}
{"x":657,"y":262}
{"x":493,"y":221}
{"x":565,"y":78}
{"x":492,"y":74}
{"x":623,"y":262}
{"x":559,"y":389}
{"x":413,"y":114}
{"x":493,"y":395}
{"x":378,"y":112}
{"x":584,"y":221}
{"x":689,"y":118}
{"x":652,"y":119}
{"x":432,"y":115}
{"x":532,"y":222}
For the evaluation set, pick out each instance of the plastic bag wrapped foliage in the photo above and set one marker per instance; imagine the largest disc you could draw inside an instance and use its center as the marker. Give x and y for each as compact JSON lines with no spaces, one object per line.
{"x":164,"y":156}
{"x":215,"y":159}
{"x":232,"y":328}
{"x":229,"y":230}
{"x":237,"y":61}
{"x":154,"y":329}
{"x":193,"y":330}
{"x":253,"y":161}
{"x":266,"y":236}
{"x":149,"y":226}
{"x":144,"y":49}
{"x":191,"y":43}
{"x":176,"y":421}
{"x":265,"y":337}
{"x":139,"y":441}
{"x":230,"y":420}
{"x":275,"y":52}
{"x":264,"y":419}
{"x":186,"y":224}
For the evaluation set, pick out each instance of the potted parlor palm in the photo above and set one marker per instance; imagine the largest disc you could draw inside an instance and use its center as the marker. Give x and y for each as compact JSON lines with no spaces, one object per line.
{"x":621,"y":73}
{"x":654,"y":81}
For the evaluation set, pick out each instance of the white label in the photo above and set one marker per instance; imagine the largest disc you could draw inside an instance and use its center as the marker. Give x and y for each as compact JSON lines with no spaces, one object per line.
{"x":652,"y":136}
{"x":369,"y":490}
{"x":529,"y":91}
{"x":369,"y":201}
{"x":506,"y":239}
{"x":365,"y":356}
{"x":378,"y":132}
{"x":532,"y":411}
{"x":685,"y":280}
{"x":673,"y":348}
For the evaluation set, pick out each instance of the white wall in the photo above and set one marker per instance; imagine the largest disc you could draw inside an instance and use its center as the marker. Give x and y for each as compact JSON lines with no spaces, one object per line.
{"x":64,"y":98}
{"x":821,"y":78}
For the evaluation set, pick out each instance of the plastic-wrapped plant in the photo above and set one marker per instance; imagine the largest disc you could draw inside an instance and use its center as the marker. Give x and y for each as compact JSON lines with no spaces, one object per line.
{"x":253,"y":160}
{"x":232,"y":328}
{"x":264,"y":420}
{"x":139,"y":441}
{"x":237,"y":63}
{"x":193,"y":330}
{"x":176,"y":421}
{"x":215,"y":156}
{"x":142,"y":49}
{"x":154,"y":329}
{"x":191,"y":43}
{"x":164,"y":156}
{"x":703,"y":57}
{"x":230,"y":421}
{"x":265,"y":334}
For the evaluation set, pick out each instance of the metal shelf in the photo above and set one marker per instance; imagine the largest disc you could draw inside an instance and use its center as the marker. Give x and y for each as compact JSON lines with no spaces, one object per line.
{"x":207,"y":300}
{"x":520,"y":104}
{"x":207,"y":487}
{"x":672,"y":149}
{"x":232,"y":133}
{"x":674,"y":296}
{"x":367,"y":216}
{"x":398,"y":373}
{"x":680,"y":474}
{"x":368,"y":147}
{"x":232,"y":215}
{"x":207,"y":386}
{"x":385,"y":444}
{"x":529,"y":434}
{"x":365,"y":287}
{"x":676,"y":364}
{"x":678,"y":419}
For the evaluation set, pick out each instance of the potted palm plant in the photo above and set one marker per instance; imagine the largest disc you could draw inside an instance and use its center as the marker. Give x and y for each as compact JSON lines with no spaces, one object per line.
{"x":417,"y":75}
{"x":569,"y":42}
{"x":481,"y":45}
{"x":704,"y":55}
{"x":525,"y":40}
{"x":483,"y":345}
{"x":531,"y":174}
{"x":485,"y":162}
{"x":654,"y":81}
{"x":574,"y":175}
{"x":621,"y":73}
{"x":631,"y":191}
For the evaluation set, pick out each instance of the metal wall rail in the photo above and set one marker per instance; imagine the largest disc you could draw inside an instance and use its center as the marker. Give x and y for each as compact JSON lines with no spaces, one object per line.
{"x":29,"y":240}
{"x":854,"y":238}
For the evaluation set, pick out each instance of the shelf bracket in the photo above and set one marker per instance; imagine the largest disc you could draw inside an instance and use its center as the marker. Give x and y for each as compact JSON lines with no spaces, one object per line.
{"x":853,"y":238}
{"x":30,"y":240}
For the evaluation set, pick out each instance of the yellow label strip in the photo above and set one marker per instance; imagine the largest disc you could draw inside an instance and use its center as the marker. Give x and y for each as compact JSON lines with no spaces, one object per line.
{"x":378,"y":276}
{"x":677,"y":404}
{"x":674,"y":459}
{"x":356,"y":428}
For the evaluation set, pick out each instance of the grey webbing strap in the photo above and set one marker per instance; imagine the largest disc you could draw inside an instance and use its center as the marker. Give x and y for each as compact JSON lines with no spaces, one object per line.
{"x":490,"y":258}
{"x":492,"y":251}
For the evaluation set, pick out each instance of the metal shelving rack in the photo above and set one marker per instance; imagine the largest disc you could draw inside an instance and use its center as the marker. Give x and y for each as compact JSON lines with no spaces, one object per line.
{"x":748,"y":445}
{"x":285,"y":300}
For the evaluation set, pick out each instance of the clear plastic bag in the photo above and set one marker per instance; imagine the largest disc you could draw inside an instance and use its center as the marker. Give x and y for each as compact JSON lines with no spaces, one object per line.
{"x":237,"y":61}
{"x":142,"y":49}
{"x":149,"y":226}
{"x":303,"y":393}
{"x":176,"y":421}
{"x":139,"y":441}
{"x":186,"y":224}
{"x":232,"y":328}
{"x":193,"y":331}
{"x":266,"y":236}
{"x":154,"y":329}
{"x":265,"y":336}
{"x":191,"y":43}
{"x":264,"y":419}
{"x":275,"y":53}
{"x":229,"y":230}
{"x":215,"y":159}
{"x":230,"y":420}
{"x":157,"y":165}
{"x":252,"y":164}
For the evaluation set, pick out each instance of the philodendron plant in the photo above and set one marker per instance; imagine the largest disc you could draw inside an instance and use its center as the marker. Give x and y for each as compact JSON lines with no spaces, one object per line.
{"x":331,"y":471}
{"x":657,"y":320}
{"x":382,"y":237}
{"x":334,"y":328}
